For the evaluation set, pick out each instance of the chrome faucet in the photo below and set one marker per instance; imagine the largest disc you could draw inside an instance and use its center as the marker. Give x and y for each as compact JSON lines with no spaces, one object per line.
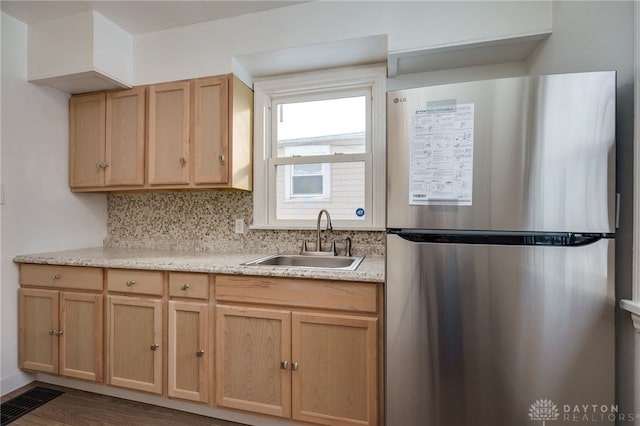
{"x":329,"y":228}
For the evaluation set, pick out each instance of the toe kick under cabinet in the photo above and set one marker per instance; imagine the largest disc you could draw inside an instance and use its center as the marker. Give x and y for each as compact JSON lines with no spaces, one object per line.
{"x":309,"y":350}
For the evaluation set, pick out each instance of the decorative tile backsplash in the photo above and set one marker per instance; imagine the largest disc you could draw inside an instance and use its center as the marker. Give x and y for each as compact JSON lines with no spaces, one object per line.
{"x":206,"y":221}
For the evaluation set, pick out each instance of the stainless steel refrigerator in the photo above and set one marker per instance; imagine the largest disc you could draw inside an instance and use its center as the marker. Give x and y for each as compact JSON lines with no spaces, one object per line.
{"x":501,"y":214}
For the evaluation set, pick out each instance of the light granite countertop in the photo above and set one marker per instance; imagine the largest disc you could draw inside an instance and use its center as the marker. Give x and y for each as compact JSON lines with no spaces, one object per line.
{"x":371,"y":269}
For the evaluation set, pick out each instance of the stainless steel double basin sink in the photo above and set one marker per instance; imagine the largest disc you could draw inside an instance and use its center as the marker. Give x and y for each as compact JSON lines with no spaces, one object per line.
{"x":340,"y":263}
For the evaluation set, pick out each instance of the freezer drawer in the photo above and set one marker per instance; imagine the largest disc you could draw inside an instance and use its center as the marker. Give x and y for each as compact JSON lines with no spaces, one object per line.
{"x":541,"y":158}
{"x":476,"y":334}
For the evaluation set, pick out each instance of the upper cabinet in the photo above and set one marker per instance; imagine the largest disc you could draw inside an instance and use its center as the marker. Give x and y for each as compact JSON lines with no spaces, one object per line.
{"x":107,"y":140}
{"x":198,"y":136}
{"x":124,"y":150}
{"x":169,"y":120}
{"x":87,"y":134}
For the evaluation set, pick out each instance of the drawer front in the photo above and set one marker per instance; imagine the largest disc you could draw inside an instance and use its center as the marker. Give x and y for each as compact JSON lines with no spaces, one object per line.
{"x":306,"y":293}
{"x":188,"y":284}
{"x":135,"y":281}
{"x":70,"y":277}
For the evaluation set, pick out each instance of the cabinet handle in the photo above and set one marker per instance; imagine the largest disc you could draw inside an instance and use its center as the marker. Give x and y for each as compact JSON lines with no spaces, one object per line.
{"x":59,"y":333}
{"x":183,"y":161}
{"x":154,"y":347}
{"x":130,"y":283}
{"x":221,"y":157}
{"x":55,"y":277}
{"x":102,"y":165}
{"x":200,"y":353}
{"x":184,"y":287}
{"x":284,"y":365}
{"x":52,"y":332}
{"x":294,"y":366}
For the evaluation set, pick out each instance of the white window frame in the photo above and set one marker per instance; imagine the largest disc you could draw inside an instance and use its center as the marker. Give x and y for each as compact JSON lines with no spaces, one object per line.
{"x":325,"y":83}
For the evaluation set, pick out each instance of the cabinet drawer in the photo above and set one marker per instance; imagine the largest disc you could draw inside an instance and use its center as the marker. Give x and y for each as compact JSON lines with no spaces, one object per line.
{"x":306,"y":293}
{"x":188,"y":284}
{"x":134,"y":281}
{"x":72,"y":277}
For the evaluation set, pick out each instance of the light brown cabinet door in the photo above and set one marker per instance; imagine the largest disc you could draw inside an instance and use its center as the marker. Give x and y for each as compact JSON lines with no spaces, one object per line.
{"x":124,"y":152}
{"x":169,"y":118}
{"x":188,"y":351}
{"x":87,"y":140}
{"x":81,"y":341}
{"x":135,"y":343}
{"x":335,"y":381}
{"x":252,"y":359}
{"x":211,"y":130}
{"x":38,"y":329}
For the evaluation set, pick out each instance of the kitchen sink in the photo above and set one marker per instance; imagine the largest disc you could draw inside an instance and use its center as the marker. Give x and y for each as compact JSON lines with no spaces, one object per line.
{"x":341,"y":263}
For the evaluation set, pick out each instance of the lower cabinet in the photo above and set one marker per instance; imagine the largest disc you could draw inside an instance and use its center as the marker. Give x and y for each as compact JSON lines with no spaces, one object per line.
{"x":253,"y":353}
{"x":301,"y":349}
{"x":188,"y":351}
{"x":135,"y":340}
{"x":61,"y":333}
{"x":313,"y":367}
{"x":334,"y":369}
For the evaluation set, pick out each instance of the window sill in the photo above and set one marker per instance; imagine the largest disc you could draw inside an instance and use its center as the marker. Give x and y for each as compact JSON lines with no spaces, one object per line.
{"x":634,"y":308}
{"x":313,"y":228}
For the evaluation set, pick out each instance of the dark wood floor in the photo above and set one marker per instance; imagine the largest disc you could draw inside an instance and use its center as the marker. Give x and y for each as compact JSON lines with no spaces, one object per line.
{"x":76,"y":408}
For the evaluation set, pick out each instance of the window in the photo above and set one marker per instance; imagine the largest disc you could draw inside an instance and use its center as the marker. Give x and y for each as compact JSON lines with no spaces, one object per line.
{"x":319,"y":144}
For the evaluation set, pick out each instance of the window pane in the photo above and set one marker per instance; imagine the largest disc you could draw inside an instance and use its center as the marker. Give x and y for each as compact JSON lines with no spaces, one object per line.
{"x":324,"y":127}
{"x":306,"y":185}
{"x":307,"y":169}
{"x":340,"y":190}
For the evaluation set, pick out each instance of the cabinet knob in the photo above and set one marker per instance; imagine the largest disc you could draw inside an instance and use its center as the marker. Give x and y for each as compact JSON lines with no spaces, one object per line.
{"x":59,"y":333}
{"x":154,"y":347}
{"x":200,"y":353}
{"x":183,"y":161}
{"x":284,"y":365}
{"x":130,"y":283}
{"x":221,"y":157}
{"x":294,"y":366}
{"x":55,"y":277}
{"x":52,"y":332}
{"x":102,"y":165}
{"x":184,"y":287}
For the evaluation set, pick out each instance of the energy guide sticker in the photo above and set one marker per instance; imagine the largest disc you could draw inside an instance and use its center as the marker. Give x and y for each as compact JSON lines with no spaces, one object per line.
{"x":441,"y":155}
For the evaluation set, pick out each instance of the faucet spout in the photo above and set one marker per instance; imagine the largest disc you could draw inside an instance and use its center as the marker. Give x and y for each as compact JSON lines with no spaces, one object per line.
{"x":329,"y":227}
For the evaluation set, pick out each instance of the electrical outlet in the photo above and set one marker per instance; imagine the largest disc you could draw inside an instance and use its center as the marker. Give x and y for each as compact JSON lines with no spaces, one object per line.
{"x":239,"y":226}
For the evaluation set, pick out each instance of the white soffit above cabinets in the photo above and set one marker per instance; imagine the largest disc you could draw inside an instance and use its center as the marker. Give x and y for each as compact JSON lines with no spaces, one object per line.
{"x":341,"y":53}
{"x":515,"y":49}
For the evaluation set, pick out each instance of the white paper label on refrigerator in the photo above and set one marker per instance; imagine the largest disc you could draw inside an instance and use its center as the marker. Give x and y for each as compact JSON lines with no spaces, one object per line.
{"x":441,"y":155}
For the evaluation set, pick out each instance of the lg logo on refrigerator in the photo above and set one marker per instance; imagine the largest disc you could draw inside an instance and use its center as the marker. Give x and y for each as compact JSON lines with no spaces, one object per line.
{"x":396,"y":100}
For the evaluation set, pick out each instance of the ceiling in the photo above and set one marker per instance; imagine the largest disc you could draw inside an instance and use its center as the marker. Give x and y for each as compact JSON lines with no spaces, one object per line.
{"x":141,"y":16}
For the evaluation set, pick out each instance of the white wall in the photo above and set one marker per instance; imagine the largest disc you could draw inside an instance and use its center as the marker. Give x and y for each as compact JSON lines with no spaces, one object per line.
{"x":208,"y":48}
{"x":589,"y":36}
{"x":40,"y":213}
